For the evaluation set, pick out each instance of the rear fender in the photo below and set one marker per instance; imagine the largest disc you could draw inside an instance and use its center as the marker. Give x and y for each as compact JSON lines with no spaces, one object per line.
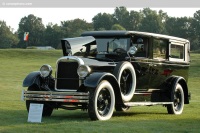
{"x":94,"y":79}
{"x":32,"y":78}
{"x":177,"y":79}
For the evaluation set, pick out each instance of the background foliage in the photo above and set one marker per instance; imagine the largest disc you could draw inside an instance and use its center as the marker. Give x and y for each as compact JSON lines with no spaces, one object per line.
{"x":144,"y":20}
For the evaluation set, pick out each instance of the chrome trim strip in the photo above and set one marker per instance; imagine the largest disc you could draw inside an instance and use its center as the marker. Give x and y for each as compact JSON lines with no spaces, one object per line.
{"x":58,"y":100}
{"x":74,"y":97}
{"x":55,"y":93}
{"x":70,"y":58}
{"x":54,"y":96}
{"x":164,"y":63}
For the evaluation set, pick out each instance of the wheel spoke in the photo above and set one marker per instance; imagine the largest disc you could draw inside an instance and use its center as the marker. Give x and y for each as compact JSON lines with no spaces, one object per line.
{"x":125,"y":82}
{"x":177,"y":100}
{"x":103,"y":102}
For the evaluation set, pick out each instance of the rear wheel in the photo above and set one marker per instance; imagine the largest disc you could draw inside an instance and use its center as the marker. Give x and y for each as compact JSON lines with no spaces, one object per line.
{"x":47,"y":106}
{"x":178,"y":102}
{"x":101,"y":101}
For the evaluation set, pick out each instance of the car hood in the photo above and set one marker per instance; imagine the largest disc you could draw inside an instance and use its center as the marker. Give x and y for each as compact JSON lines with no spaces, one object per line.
{"x":73,"y":45}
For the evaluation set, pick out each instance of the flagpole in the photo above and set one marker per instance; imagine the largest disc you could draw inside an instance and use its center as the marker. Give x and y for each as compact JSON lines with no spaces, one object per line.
{"x":26,"y":43}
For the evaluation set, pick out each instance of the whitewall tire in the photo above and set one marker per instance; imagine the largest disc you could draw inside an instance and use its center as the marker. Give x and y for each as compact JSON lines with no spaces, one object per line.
{"x":126,"y":77}
{"x":101,"y":101}
{"x":178,"y":103}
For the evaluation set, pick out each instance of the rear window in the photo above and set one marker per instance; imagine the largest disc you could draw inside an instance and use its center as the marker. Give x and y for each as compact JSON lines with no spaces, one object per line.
{"x":176,"y":52}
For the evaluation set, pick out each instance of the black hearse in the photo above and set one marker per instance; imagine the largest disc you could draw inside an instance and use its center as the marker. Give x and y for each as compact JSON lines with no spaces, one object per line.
{"x":106,"y":70}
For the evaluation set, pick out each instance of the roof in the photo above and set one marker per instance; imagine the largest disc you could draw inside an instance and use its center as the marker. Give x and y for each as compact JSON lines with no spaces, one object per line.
{"x":128,"y":33}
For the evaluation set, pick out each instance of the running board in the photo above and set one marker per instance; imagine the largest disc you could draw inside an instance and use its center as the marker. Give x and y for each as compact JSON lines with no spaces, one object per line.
{"x":131,"y":104}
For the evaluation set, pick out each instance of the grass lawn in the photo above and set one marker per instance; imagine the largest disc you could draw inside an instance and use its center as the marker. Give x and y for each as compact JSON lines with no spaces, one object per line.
{"x":16,"y":64}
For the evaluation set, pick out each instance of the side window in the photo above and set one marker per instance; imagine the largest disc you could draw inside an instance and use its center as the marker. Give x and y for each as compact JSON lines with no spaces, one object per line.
{"x":159,"y":49}
{"x":141,"y":43}
{"x":177,"y":52}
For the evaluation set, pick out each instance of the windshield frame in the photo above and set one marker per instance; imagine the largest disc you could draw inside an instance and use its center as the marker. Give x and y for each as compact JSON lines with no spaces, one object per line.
{"x":107,"y":41}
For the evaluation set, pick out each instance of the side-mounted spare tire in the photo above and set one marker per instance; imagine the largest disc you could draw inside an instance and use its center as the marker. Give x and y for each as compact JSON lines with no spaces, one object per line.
{"x":126,"y":77}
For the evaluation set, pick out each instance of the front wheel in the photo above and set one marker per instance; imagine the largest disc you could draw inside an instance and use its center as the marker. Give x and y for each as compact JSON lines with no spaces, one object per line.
{"x":101,"y":101}
{"x":178,"y":104}
{"x":47,"y":106}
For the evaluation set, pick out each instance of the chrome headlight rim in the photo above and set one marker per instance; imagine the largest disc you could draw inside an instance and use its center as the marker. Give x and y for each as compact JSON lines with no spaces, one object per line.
{"x":83,"y":71}
{"x":45,"y":70}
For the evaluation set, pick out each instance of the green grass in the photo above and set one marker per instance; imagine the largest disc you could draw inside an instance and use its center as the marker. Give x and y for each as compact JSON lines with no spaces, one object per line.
{"x":16,"y":64}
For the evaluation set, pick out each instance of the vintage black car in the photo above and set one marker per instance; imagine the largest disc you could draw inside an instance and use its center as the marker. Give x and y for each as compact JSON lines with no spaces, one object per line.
{"x":103,"y":71}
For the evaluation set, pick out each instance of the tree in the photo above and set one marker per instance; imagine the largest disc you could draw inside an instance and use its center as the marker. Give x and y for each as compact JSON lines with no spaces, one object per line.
{"x":195,"y":32}
{"x":7,"y":38}
{"x":35,"y":27}
{"x":117,"y":27}
{"x":53,"y":35}
{"x":135,"y":19}
{"x":196,"y":23}
{"x":102,"y":21}
{"x":74,"y":28}
{"x":170,"y":24}
{"x":121,"y":16}
{"x":180,"y":27}
{"x":163,"y":15}
{"x":151,"y":21}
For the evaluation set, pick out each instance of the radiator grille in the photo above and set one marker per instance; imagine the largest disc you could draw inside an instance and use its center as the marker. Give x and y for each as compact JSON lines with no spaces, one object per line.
{"x":67,"y":77}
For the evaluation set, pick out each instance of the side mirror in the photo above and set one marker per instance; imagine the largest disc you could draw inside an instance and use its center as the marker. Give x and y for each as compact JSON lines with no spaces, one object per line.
{"x":132,"y":50}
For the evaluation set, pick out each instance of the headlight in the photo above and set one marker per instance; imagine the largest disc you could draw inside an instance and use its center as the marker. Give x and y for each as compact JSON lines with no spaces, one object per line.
{"x":45,"y":71}
{"x":83,"y":71}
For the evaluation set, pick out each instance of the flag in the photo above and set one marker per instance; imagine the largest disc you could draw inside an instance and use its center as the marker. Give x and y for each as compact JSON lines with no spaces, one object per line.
{"x":26,"y":36}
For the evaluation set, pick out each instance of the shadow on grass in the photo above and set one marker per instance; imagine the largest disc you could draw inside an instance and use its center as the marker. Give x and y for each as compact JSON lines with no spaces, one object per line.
{"x":79,"y":121}
{"x":132,"y":113}
{"x":17,"y":117}
{"x":69,"y":115}
{"x":78,"y":115}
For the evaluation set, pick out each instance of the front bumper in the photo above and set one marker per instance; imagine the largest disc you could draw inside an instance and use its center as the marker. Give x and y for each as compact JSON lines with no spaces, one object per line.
{"x":52,"y":96}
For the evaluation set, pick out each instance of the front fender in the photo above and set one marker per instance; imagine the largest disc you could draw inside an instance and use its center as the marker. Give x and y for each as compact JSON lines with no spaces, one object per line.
{"x":95,"y":78}
{"x":31,"y":78}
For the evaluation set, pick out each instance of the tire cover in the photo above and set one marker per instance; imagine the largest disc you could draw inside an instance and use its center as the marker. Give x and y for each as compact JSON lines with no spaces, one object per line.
{"x":118,"y":73}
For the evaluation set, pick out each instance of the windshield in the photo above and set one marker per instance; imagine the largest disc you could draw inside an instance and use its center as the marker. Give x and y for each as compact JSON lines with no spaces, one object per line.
{"x":107,"y":45}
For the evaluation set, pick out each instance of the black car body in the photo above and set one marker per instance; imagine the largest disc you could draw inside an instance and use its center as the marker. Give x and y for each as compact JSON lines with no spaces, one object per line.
{"x":103,"y":70}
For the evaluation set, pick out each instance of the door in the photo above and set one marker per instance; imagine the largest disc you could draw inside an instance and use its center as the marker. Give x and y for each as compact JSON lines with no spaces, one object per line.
{"x":159,"y":68}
